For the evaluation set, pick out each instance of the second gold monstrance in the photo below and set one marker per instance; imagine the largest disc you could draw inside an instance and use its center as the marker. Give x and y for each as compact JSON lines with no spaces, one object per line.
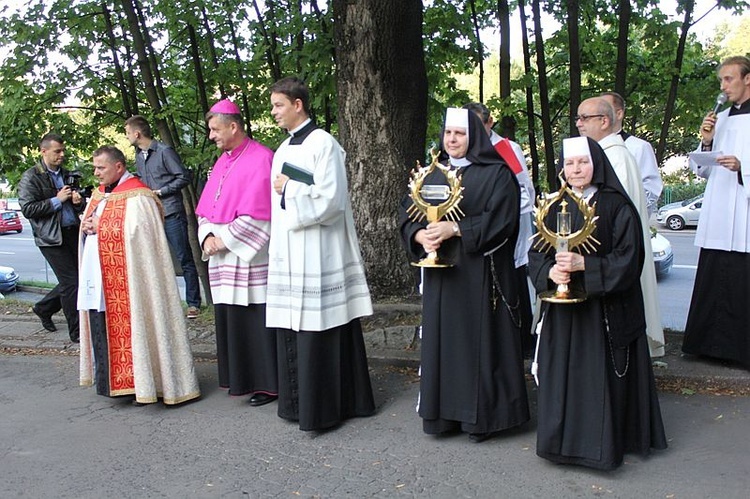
{"x":562,"y":239}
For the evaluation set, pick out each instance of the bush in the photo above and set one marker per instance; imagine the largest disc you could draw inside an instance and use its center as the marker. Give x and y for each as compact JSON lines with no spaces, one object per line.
{"x":680,"y":192}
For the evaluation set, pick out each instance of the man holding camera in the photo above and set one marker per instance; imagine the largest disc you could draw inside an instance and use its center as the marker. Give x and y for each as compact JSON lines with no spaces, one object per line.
{"x":52,"y":207}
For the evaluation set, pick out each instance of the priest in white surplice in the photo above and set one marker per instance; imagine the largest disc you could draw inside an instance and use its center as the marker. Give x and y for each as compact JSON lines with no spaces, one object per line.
{"x":718,"y":323}
{"x":596,"y":120}
{"x":133,"y":332}
{"x":642,"y":151}
{"x":316,"y":281}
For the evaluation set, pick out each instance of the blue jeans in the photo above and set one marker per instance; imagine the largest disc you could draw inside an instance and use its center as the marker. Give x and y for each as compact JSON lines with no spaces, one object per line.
{"x":175,"y":227}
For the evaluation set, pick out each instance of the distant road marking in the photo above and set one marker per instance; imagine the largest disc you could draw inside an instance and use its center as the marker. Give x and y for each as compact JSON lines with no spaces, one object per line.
{"x":693,"y":267}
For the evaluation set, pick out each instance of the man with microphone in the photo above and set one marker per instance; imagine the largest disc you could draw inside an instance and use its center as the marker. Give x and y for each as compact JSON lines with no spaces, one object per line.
{"x":718,"y":323}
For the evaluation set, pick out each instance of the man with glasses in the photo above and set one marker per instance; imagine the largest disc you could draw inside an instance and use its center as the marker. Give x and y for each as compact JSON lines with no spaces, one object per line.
{"x":596,"y":119}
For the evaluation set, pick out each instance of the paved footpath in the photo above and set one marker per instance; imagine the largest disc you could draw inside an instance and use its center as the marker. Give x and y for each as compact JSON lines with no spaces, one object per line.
{"x":61,"y":440}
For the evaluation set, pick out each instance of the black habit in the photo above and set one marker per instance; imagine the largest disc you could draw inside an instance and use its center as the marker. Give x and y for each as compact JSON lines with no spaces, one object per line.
{"x":597,"y":398}
{"x":472,"y":376}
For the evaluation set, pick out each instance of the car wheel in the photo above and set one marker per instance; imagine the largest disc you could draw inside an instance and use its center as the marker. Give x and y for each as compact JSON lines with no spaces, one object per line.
{"x":675,"y":223}
{"x":19,"y":230}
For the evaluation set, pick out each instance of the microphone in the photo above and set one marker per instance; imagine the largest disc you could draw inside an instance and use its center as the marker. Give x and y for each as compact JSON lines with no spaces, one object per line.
{"x":720,"y":100}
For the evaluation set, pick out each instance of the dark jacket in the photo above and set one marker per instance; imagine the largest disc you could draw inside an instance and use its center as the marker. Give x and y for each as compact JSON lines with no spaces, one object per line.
{"x":34,"y":193}
{"x":163,"y":170}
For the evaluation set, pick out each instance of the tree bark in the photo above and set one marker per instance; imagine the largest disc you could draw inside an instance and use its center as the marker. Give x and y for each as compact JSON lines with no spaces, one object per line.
{"x":479,"y":51}
{"x":575,"y":64}
{"x":212,"y":49}
{"x":195,"y":55}
{"x":529,"y":96}
{"x":541,"y":66}
{"x":174,"y":139}
{"x":507,"y":121}
{"x":148,"y":78}
{"x":621,"y":69}
{"x":119,"y":75}
{"x":382,"y":81}
{"x":240,"y":73}
{"x":272,"y":56}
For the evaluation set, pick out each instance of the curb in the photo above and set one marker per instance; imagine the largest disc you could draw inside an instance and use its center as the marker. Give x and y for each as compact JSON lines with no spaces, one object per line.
{"x":393,"y":346}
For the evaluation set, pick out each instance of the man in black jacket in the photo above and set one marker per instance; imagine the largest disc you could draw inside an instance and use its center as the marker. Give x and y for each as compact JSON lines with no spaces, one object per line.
{"x":161,"y":169}
{"x":52,"y":207}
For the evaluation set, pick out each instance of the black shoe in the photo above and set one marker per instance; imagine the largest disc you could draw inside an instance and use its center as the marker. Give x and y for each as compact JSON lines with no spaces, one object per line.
{"x":481,"y":437}
{"x":75,"y":338}
{"x":259,"y":399}
{"x":46,"y":320}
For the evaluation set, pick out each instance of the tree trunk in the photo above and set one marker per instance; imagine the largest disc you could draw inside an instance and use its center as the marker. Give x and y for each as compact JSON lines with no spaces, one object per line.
{"x":541,"y":67}
{"x":479,"y":52}
{"x":621,"y":69}
{"x":148,"y":78}
{"x":688,"y":5}
{"x":382,"y":81}
{"x":529,"y":96}
{"x":174,"y":139}
{"x":507,"y":121}
{"x":240,"y":73}
{"x":575,"y":64}
{"x":195,"y":55}
{"x":119,"y":75}
{"x":272,"y":57}
{"x":212,"y":50}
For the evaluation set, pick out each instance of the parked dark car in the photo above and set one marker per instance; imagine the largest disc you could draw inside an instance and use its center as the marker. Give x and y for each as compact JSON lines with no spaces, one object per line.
{"x":10,"y":222}
{"x":8,"y":279}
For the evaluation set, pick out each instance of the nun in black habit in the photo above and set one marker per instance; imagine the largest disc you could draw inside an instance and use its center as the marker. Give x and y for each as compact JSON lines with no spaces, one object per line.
{"x":472,"y":377}
{"x":597,"y":398}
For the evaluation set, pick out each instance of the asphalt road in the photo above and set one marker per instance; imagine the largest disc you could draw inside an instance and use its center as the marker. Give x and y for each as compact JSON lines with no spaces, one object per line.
{"x":61,"y":440}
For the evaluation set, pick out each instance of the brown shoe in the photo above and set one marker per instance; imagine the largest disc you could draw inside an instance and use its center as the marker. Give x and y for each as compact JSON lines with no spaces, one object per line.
{"x":193,"y":312}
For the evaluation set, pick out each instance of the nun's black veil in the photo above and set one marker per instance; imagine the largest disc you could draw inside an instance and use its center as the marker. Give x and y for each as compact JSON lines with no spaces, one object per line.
{"x":604,"y":175}
{"x":481,"y":151}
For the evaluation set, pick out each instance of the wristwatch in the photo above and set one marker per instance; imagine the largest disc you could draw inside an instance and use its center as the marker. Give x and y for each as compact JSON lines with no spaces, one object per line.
{"x":455,"y":228}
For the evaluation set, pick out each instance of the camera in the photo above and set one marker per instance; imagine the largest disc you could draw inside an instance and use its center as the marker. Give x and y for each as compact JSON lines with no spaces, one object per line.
{"x":73,"y":180}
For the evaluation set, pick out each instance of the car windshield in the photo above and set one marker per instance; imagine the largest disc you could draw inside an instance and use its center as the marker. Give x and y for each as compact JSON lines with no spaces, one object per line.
{"x":688,"y":201}
{"x":9,"y":215}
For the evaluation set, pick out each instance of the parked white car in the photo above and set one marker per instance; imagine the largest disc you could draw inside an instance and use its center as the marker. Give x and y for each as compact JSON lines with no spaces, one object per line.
{"x":663,"y":255}
{"x":679,"y":215}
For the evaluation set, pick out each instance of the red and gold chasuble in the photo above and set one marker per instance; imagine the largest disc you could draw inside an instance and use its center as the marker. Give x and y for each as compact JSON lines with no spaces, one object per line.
{"x":115,"y":282}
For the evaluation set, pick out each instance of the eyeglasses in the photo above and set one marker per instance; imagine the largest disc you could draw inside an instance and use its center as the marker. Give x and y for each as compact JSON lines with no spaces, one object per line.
{"x":586,"y":117}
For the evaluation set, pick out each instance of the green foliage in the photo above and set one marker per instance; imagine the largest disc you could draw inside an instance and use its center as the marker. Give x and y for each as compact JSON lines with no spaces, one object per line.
{"x":58,"y":69}
{"x":680,"y":192}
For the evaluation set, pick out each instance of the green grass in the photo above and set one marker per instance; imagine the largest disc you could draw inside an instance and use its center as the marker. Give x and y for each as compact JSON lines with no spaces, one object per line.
{"x":37,"y":284}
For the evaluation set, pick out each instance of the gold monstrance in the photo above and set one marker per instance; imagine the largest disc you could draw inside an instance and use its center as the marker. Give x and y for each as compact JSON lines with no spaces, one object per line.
{"x":563,"y":239}
{"x":420,"y":194}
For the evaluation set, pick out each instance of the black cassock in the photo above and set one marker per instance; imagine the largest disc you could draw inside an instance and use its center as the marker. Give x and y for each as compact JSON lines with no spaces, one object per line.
{"x":472,"y":376}
{"x":597,"y":398}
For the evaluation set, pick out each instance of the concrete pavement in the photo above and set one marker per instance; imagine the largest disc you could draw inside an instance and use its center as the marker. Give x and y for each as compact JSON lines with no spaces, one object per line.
{"x":58,"y":439}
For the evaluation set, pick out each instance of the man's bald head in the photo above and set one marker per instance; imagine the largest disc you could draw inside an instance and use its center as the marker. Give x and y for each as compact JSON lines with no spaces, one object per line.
{"x":596,"y":118}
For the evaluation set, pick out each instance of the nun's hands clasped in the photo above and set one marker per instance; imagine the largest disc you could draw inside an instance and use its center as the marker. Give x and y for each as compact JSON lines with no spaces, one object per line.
{"x":566,"y":263}
{"x":432,"y":236}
